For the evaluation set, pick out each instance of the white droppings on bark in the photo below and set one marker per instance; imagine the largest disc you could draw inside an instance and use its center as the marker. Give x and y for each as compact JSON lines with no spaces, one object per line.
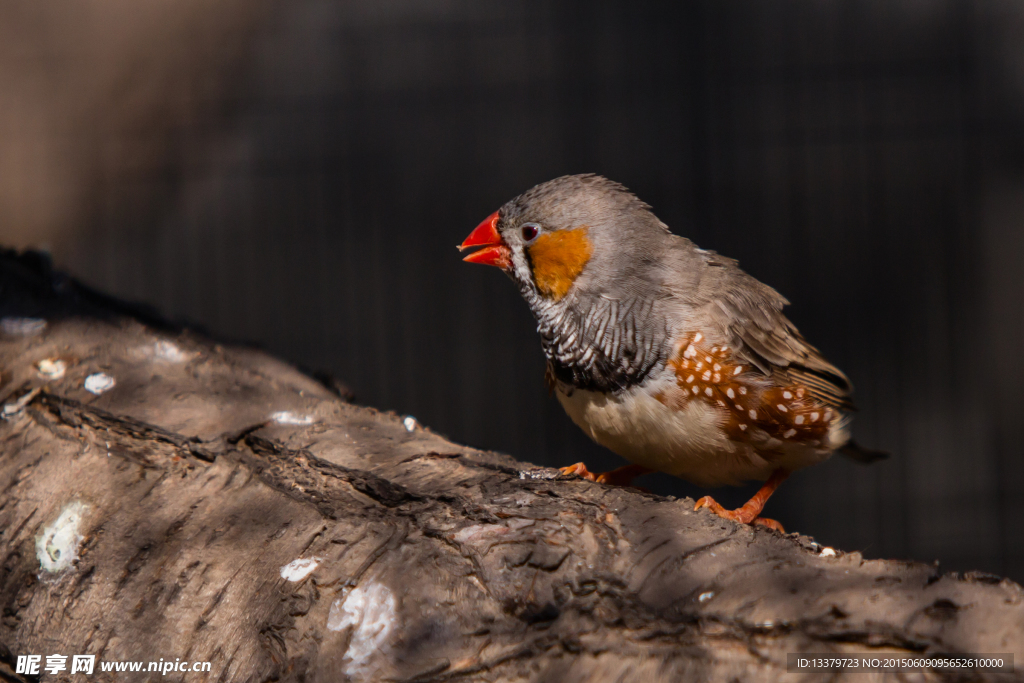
{"x":370,"y":611}
{"x":57,"y":544}
{"x":99,"y":383}
{"x":297,"y":570}
{"x":15,"y":408}
{"x":51,"y":368}
{"x":169,"y":351}
{"x":287,"y":417}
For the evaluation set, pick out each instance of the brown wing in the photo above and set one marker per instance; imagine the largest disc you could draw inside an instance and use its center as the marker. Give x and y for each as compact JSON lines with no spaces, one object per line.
{"x":750,"y":404}
{"x":750,"y":313}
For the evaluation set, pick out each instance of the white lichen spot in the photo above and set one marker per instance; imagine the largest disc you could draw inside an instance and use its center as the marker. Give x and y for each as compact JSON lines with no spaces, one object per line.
{"x":51,"y":368}
{"x":704,"y":597}
{"x":169,"y":351}
{"x":287,"y":417}
{"x":22,"y":327}
{"x":410,"y":423}
{"x":539,"y":473}
{"x":297,"y":570}
{"x":57,"y":544}
{"x":827,"y":552}
{"x":12,"y":409}
{"x":370,"y":612}
{"x":99,"y":382}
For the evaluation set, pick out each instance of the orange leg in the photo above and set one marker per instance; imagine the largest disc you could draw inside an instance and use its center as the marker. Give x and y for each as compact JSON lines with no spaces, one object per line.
{"x":750,"y":513}
{"x":622,"y":476}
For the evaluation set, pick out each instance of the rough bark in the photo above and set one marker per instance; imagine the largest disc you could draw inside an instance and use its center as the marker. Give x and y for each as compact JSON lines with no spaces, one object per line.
{"x":189,"y":486}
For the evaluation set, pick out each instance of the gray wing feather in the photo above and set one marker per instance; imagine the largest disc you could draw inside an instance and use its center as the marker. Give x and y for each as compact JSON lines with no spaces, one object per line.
{"x":750,"y":313}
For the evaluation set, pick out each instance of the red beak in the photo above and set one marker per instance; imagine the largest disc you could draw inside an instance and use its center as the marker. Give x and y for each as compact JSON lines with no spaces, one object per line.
{"x":495,"y":252}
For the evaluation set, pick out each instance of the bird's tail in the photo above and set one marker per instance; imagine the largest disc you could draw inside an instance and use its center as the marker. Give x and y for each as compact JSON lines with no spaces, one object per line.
{"x":854,"y":451}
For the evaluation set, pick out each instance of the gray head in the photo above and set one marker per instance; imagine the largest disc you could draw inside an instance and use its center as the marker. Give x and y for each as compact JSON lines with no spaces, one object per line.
{"x":581,"y":231}
{"x":587,"y":256}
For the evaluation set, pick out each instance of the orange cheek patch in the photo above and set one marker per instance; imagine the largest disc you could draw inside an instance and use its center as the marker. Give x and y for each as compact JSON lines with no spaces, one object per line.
{"x":558,"y":259}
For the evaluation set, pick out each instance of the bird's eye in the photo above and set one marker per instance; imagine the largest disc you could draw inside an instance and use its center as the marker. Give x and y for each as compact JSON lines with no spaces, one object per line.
{"x":530,"y":232}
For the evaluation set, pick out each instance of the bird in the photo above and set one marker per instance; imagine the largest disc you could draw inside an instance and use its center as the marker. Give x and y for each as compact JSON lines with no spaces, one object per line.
{"x":667,"y":354}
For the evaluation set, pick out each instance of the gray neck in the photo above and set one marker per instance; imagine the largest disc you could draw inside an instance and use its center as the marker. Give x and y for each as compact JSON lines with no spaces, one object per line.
{"x":599,"y":344}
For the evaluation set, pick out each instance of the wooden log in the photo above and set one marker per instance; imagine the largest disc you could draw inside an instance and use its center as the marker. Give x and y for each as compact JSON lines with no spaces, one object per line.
{"x":166,"y":496}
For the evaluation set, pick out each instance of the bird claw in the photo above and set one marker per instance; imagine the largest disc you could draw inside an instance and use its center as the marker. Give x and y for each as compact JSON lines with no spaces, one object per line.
{"x":708,"y":502}
{"x":623,"y":476}
{"x":740,"y":515}
{"x":580,"y":470}
{"x":770,"y":523}
{"x":716,"y":507}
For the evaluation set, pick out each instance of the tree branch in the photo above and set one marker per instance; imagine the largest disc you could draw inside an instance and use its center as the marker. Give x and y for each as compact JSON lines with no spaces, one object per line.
{"x":218,"y":505}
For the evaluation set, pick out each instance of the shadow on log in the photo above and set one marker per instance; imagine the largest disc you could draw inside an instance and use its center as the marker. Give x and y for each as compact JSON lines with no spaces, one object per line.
{"x":164,"y":496}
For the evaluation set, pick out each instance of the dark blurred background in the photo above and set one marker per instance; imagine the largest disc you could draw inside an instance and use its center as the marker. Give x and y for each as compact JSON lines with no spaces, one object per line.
{"x":297,"y":174}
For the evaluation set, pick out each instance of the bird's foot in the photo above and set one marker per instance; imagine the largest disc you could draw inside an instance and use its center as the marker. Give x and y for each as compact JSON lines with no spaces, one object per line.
{"x":750,"y":513}
{"x":744,"y":515}
{"x":771,"y":524}
{"x":623,"y":476}
{"x":580,"y":470}
{"x":741,"y":515}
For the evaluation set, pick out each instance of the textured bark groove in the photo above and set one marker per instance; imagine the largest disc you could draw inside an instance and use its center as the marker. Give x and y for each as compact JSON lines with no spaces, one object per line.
{"x":208,"y":476}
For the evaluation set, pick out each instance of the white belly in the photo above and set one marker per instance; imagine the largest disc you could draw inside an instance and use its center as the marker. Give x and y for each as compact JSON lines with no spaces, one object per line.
{"x":688,"y":442}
